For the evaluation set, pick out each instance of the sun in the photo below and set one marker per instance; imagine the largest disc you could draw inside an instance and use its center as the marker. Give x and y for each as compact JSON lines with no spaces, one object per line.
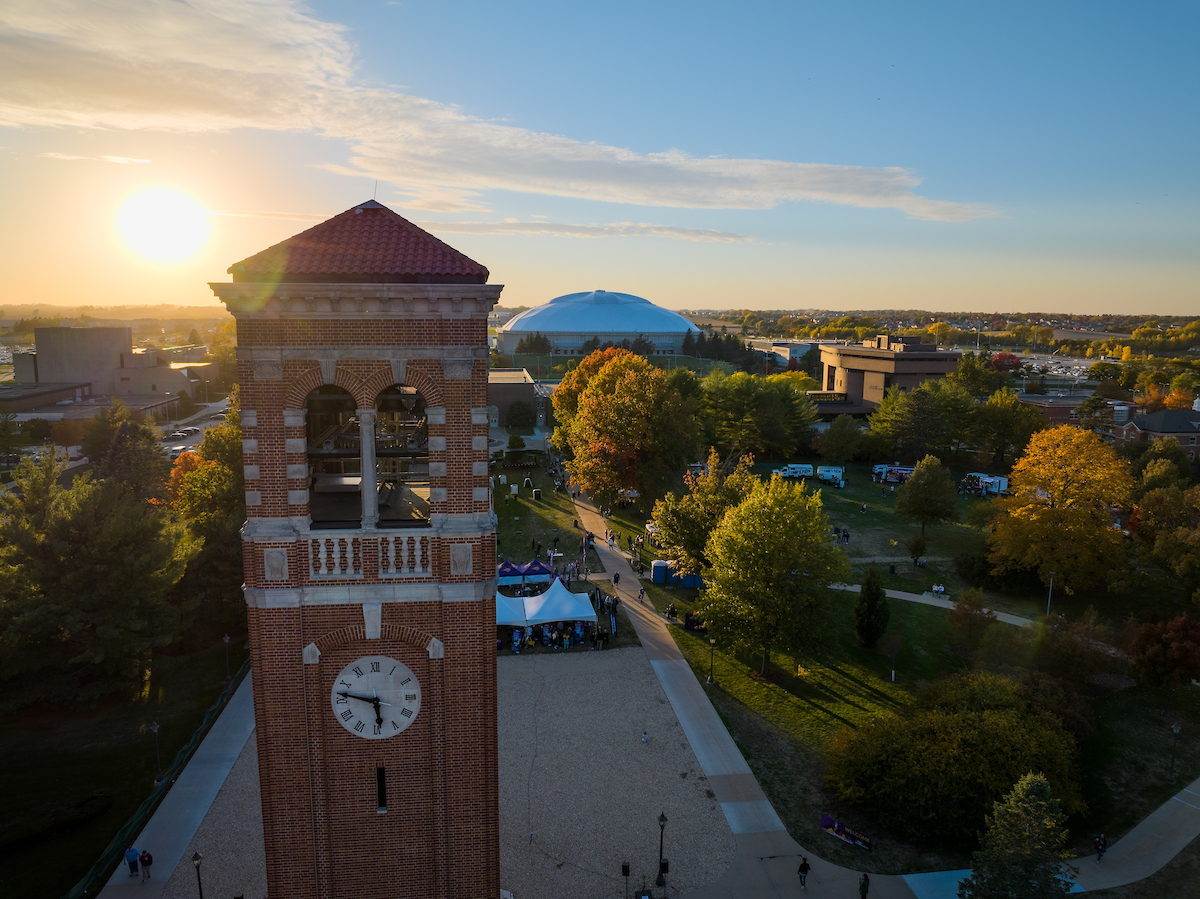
{"x":163,"y":224}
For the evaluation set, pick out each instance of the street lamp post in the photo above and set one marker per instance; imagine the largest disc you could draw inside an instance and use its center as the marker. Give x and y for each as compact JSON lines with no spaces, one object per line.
{"x":1050,"y":595}
{"x":712,"y":647}
{"x":196,"y":857}
{"x":662,"y":826}
{"x":1175,"y":728}
{"x":228,"y":676}
{"x":157,"y":754}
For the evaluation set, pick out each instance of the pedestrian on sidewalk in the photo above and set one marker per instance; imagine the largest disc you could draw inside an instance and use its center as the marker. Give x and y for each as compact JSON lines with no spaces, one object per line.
{"x":864,"y":885}
{"x":147,"y":860}
{"x":131,"y":859}
{"x":1101,"y":845}
{"x":863,"y":509}
{"x":616,"y":578}
{"x":642,"y":595}
{"x":803,"y":870}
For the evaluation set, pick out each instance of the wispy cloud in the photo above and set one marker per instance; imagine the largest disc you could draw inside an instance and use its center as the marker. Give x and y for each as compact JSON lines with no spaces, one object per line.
{"x":513,"y":226}
{"x":119,"y":160}
{"x":205,"y":65}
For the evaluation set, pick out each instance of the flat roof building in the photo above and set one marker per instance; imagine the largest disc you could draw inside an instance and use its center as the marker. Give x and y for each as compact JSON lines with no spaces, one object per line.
{"x":855,"y":376}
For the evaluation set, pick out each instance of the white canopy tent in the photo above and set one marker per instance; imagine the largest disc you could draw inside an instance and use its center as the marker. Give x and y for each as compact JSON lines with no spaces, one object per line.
{"x":556,"y":604}
{"x":510,"y":611}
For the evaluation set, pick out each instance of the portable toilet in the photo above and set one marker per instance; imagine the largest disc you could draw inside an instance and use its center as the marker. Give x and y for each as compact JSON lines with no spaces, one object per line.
{"x":658,"y":571}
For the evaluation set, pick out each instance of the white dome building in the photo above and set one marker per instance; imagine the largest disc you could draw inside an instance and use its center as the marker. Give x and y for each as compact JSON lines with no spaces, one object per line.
{"x":571,"y":320}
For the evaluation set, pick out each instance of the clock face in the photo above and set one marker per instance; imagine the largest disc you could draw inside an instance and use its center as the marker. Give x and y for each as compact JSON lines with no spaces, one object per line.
{"x":375,"y":697}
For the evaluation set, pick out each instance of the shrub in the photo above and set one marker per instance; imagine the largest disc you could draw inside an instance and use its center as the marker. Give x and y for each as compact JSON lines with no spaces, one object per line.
{"x":519,"y":415}
{"x":933,"y":772}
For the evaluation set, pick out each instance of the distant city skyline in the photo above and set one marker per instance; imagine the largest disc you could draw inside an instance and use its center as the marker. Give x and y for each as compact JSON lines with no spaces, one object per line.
{"x":704,"y":156}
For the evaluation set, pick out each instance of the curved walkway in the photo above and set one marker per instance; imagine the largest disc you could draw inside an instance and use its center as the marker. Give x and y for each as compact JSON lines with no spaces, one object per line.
{"x":766,"y":858}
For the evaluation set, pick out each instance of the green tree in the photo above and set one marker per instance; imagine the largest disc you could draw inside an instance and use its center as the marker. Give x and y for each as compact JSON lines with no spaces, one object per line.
{"x":519,"y":415}
{"x":916,"y":548}
{"x":66,"y":432}
{"x":928,"y":495}
{"x":1005,"y":424}
{"x":872,"y":613}
{"x":883,"y":421}
{"x":86,"y":597}
{"x":976,"y":375}
{"x":135,"y":460}
{"x":750,"y":414}
{"x":772,"y":564}
{"x":516,"y":442}
{"x":918,"y":426}
{"x":8,"y":435}
{"x":1022,"y":853}
{"x":841,"y":440}
{"x":98,"y":431}
{"x":536,"y":344}
{"x":934,"y":771}
{"x":686,"y":522}
{"x":1168,"y":533}
{"x":1058,"y":518}
{"x":1094,"y":412}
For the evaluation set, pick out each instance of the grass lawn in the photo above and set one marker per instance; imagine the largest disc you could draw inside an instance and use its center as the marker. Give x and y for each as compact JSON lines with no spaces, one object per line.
{"x":781,"y":723}
{"x":523,"y":520}
{"x":72,"y":776}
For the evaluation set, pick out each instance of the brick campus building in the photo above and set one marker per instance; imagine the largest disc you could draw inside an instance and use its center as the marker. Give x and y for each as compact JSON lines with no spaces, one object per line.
{"x":370,"y":559}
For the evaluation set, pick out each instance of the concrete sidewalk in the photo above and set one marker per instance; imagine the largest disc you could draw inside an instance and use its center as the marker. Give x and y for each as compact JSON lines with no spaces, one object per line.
{"x":172,"y":826}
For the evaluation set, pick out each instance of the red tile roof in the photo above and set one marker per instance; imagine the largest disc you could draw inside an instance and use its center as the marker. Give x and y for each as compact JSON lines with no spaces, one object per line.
{"x":366,"y":244}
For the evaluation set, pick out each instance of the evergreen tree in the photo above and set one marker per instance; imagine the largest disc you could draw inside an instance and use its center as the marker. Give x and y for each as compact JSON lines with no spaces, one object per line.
{"x":872,"y":613}
{"x":135,"y":460}
{"x":99,"y":430}
{"x":85,"y":596}
{"x":1022,"y":855}
{"x":689,"y":344}
{"x":841,"y":440}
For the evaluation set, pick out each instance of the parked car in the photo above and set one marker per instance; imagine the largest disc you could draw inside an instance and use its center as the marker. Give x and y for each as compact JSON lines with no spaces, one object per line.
{"x":189,"y":430}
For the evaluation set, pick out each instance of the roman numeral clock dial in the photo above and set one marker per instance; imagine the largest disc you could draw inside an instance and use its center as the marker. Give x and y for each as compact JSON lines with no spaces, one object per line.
{"x":375,"y":697}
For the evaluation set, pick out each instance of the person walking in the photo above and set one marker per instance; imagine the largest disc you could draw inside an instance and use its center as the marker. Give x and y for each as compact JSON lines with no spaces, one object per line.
{"x":803,"y":870}
{"x":131,"y":859}
{"x":864,"y":885}
{"x":616,"y":578}
{"x":642,"y":595}
{"x":147,"y":860}
{"x":1101,"y":845}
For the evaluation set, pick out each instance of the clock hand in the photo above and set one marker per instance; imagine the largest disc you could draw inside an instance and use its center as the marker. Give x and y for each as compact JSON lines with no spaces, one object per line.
{"x":362,"y":697}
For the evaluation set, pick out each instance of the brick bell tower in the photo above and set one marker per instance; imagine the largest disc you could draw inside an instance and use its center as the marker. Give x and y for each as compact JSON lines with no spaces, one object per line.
{"x":370,"y":558}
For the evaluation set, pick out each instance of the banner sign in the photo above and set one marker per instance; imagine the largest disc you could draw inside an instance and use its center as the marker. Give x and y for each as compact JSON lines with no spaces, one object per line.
{"x":842,"y":832}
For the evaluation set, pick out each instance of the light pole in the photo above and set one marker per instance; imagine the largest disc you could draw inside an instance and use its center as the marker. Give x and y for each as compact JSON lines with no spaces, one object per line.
{"x":228,"y":676}
{"x":196,"y":857}
{"x":1175,"y":728}
{"x":662,"y":826}
{"x":157,"y":754}
{"x":1050,"y":595}
{"x":712,"y":647}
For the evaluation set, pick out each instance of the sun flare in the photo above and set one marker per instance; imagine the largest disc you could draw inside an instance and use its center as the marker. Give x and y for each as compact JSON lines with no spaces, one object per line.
{"x":163,"y":224}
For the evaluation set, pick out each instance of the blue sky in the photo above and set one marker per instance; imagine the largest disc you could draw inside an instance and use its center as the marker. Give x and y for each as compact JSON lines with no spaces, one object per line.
{"x":770,"y":155}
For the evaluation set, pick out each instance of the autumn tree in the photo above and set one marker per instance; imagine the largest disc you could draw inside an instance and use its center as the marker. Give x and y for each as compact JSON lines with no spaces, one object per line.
{"x":772,"y":564}
{"x":928,"y":496}
{"x":872,"y":613}
{"x":632,"y":427}
{"x":841,"y":440}
{"x":566,"y":396}
{"x":208,"y":493}
{"x":1167,"y":653}
{"x":1004,"y":424}
{"x":969,"y":617}
{"x":976,"y":375}
{"x":686,"y":522}
{"x":1057,"y":517}
{"x":1023,"y":850}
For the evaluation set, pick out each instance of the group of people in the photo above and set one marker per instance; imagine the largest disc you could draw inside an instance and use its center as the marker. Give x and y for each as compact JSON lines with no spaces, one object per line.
{"x":134,"y":858}
{"x":557,"y":635}
{"x":841,"y":535}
